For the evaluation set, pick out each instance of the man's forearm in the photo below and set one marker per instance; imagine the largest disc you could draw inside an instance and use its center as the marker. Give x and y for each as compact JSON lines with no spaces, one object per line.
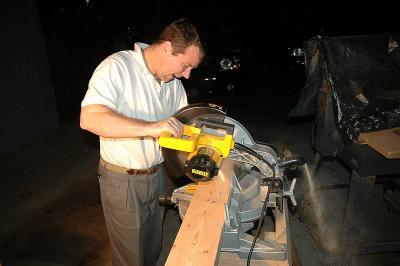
{"x":104,"y":122}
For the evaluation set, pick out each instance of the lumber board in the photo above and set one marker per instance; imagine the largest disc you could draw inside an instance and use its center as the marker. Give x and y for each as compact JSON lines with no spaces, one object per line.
{"x":199,"y":237}
{"x":386,"y":142}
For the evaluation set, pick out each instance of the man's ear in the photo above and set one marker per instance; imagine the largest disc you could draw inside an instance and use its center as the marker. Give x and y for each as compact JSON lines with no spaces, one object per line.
{"x":166,"y":47}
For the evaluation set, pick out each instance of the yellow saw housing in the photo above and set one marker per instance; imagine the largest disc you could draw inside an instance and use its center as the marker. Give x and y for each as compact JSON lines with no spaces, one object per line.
{"x":207,"y":144}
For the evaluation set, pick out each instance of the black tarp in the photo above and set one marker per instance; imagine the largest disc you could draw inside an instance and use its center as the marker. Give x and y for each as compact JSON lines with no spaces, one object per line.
{"x":363,"y":75}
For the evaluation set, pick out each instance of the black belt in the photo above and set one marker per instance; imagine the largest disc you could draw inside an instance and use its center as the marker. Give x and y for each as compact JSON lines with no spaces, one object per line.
{"x":123,"y":170}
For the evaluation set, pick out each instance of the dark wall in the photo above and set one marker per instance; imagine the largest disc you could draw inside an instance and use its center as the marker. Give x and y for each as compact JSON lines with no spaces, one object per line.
{"x":27,"y":102}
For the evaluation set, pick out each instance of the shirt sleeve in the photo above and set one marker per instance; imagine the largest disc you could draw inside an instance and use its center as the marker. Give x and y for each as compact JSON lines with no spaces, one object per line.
{"x":105,"y":85}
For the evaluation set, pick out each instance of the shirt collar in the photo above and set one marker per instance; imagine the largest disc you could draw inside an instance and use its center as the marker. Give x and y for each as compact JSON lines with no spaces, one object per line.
{"x":138,"y":56}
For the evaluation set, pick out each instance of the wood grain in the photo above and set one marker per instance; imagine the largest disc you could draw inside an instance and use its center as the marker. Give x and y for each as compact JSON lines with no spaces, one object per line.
{"x":386,"y":142}
{"x":199,"y":237}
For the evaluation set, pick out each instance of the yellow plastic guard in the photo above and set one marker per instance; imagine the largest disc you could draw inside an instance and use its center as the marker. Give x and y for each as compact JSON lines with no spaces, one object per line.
{"x":192,"y":137}
{"x":191,"y":188}
{"x":187,"y":142}
{"x":222,"y":144}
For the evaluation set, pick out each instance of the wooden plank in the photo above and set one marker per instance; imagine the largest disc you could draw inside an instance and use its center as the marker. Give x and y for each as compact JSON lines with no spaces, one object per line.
{"x":199,"y":237}
{"x":386,"y":142}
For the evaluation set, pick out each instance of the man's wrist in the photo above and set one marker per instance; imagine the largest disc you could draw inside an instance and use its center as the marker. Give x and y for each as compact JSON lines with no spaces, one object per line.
{"x":148,"y":129}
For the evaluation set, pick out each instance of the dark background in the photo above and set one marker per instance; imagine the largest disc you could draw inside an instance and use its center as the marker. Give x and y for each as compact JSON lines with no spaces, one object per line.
{"x":49,"y":196}
{"x":50,"y":48}
{"x":82,"y":34}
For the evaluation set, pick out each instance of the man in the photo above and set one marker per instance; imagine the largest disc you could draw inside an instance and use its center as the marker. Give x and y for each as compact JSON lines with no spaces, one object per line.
{"x":130,"y":101}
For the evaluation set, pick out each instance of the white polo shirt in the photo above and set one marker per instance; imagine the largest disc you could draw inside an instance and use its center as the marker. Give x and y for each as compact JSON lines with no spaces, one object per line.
{"x":123,"y":83}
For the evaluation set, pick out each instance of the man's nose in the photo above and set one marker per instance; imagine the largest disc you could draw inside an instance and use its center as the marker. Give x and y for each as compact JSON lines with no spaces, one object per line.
{"x":186,"y":73}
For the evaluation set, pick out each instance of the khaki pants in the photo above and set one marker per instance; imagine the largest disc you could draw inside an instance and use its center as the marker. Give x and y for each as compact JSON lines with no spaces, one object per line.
{"x":133,"y":215}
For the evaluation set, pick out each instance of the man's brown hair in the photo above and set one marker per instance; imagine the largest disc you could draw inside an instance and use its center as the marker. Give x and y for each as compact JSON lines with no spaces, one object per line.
{"x":182,"y":34}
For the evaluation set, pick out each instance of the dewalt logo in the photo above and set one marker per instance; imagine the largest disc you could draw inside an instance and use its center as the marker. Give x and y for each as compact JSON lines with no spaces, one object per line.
{"x":198,"y":172}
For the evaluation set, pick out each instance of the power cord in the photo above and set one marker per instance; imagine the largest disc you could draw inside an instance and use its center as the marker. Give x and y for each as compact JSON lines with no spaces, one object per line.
{"x":264,"y":208}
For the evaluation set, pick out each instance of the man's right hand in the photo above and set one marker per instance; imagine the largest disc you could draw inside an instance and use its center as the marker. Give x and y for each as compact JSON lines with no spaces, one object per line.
{"x":171,"y":124}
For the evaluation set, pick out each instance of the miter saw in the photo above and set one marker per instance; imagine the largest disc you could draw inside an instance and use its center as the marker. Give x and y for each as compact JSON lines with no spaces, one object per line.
{"x":211,"y":139}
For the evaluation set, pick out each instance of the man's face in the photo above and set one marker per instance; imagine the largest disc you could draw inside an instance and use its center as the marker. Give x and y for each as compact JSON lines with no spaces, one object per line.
{"x":180,"y":65}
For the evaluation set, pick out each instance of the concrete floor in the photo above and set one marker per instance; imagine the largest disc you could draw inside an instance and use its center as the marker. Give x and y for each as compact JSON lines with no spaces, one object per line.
{"x":51,"y":212}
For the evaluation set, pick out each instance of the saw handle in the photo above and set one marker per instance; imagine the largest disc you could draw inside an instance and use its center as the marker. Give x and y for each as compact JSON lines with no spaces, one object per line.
{"x":187,"y":142}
